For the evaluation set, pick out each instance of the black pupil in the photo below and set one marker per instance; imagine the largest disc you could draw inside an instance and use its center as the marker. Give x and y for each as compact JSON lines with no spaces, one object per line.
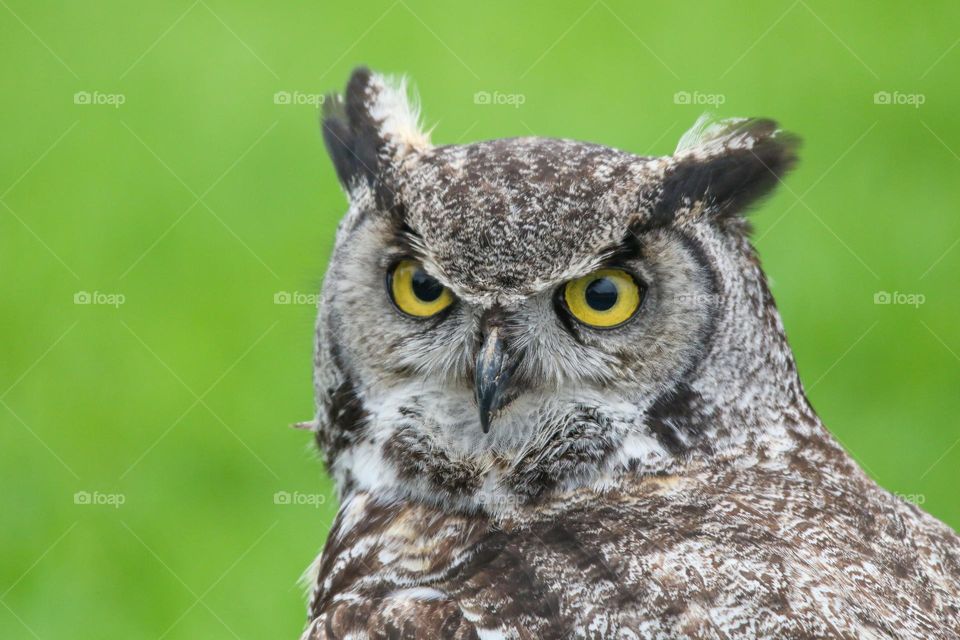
{"x":601,"y":294}
{"x":425,"y":287}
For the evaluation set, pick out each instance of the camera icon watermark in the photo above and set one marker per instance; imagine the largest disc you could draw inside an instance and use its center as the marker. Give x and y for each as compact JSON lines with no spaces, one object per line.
{"x":698,"y":98}
{"x":98,"y":499}
{"x":497,"y":98}
{"x":899,"y":298}
{"x":296,"y":297}
{"x":897,"y":98}
{"x":97,"y":98}
{"x":297,"y":498}
{"x":99,"y":298}
{"x":298,"y":98}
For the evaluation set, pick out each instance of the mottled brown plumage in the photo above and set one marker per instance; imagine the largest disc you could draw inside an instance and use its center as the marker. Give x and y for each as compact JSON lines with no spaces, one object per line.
{"x":741,"y":548}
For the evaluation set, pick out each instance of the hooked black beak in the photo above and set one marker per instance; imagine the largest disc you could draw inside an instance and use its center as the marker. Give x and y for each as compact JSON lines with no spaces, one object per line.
{"x":491,"y":376}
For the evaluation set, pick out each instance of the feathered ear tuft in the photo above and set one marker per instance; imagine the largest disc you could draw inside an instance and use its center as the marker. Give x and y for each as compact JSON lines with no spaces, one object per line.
{"x":370,"y":127}
{"x":721,"y":167}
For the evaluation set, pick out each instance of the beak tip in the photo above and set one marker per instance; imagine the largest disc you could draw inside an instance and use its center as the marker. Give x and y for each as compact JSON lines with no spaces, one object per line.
{"x":484,"y":411}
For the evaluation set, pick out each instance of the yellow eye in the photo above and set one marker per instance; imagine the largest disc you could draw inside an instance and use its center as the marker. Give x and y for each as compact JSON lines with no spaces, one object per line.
{"x":415,"y":292}
{"x":605,"y":298}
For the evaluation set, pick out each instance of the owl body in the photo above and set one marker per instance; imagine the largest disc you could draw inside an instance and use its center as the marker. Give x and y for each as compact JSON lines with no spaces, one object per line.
{"x":557,"y":399}
{"x":701,"y":554}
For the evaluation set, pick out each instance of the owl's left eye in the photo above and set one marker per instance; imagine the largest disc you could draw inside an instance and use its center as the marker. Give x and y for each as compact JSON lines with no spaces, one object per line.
{"x":415,"y":292}
{"x":603,"y":299}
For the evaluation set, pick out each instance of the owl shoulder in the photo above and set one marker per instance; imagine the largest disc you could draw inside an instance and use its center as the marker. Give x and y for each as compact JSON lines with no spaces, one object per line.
{"x":408,"y":613}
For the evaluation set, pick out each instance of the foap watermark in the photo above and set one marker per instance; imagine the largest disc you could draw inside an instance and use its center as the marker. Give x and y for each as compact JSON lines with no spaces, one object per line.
{"x":698,"y":299}
{"x":499,"y":502}
{"x":99,"y":499}
{"x":296,"y":297}
{"x":99,"y":298}
{"x":298,"y":98}
{"x":899,"y":298}
{"x":498,"y":98}
{"x":913,"y":498}
{"x":297,"y":498}
{"x":699,"y":98}
{"x":98,"y":98}
{"x":898,"y":98}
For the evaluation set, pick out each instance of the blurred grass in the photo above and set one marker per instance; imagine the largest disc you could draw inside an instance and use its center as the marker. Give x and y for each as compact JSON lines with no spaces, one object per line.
{"x":199,"y":199}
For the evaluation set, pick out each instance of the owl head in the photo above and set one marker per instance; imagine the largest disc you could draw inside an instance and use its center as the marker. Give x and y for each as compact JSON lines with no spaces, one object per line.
{"x":508,"y":318}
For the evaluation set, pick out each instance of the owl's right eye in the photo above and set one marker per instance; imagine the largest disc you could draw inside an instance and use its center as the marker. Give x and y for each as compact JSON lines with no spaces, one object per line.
{"x":415,"y":292}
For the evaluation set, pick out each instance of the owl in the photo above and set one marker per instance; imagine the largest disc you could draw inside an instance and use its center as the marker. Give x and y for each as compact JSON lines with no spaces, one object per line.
{"x":557,"y":401}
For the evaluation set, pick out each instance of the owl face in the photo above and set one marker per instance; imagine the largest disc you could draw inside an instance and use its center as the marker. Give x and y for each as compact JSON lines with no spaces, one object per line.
{"x":485,"y":300}
{"x":620,"y":326}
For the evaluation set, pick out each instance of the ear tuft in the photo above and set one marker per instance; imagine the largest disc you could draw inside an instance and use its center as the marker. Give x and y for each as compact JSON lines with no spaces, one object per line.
{"x":371,"y":127}
{"x":723,"y":166}
{"x":398,"y":114}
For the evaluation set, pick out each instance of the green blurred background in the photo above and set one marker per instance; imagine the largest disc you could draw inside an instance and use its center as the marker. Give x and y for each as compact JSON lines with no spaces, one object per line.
{"x":166,"y":155}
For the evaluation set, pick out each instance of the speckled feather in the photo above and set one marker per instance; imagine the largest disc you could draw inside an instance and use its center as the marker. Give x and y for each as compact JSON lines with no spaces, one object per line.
{"x":665,"y":479}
